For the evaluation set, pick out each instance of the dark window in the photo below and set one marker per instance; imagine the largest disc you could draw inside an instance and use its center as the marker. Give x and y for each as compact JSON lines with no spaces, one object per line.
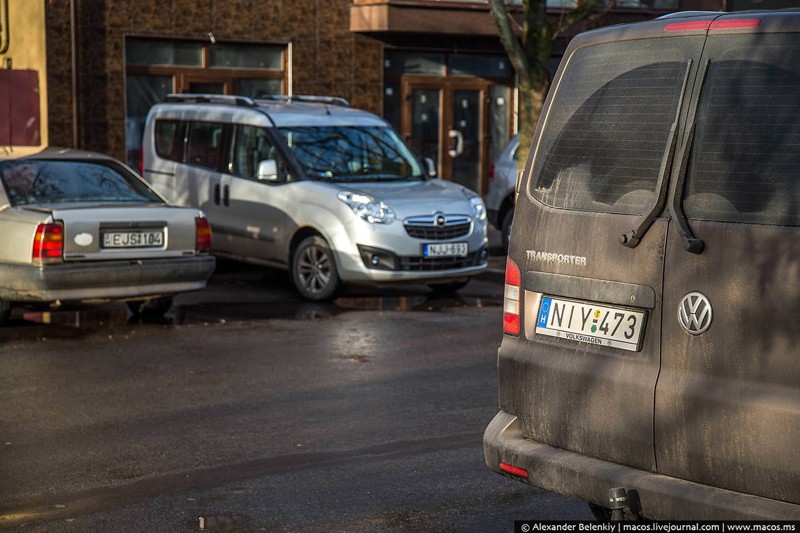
{"x":608,"y":128}
{"x":251,"y":147}
{"x":169,"y":139}
{"x":397,"y":63}
{"x":31,"y":182}
{"x":745,"y":164}
{"x":158,"y":52}
{"x":481,"y":66}
{"x":204,"y":144}
{"x":246,"y":56}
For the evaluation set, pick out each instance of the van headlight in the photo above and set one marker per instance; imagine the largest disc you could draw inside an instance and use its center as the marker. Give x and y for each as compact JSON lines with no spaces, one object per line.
{"x":478,"y":207}
{"x":372,"y":210}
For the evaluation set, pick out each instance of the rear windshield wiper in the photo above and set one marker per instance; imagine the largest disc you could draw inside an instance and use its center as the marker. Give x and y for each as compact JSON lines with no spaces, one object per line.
{"x":632,"y":238}
{"x":690,"y":243}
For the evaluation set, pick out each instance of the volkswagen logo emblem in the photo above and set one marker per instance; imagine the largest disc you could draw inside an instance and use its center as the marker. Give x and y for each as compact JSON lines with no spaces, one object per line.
{"x":439,"y":219}
{"x":695,"y":314}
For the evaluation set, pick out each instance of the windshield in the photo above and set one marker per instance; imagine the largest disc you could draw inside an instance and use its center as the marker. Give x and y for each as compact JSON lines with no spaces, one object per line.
{"x":31,"y":182}
{"x":351,"y":153}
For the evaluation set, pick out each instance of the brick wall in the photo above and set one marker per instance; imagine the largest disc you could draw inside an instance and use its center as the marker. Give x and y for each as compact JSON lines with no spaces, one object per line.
{"x":327,"y":58}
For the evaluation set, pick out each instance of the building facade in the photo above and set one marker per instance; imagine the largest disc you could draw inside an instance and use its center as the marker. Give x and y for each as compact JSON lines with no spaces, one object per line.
{"x":435,"y":69}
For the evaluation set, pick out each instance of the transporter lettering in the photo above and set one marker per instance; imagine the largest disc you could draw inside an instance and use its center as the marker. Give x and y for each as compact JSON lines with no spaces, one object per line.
{"x":549,"y":257}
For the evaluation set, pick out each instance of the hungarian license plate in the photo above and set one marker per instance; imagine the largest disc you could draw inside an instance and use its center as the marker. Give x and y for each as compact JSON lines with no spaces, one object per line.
{"x":133,"y":239}
{"x":445,"y":249}
{"x":591,"y":323}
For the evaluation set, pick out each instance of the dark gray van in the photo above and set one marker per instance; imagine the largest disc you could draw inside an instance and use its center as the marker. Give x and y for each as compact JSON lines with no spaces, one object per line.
{"x":650,"y":361}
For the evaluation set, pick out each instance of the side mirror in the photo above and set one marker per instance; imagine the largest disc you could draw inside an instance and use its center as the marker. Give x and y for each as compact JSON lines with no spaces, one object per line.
{"x":430,"y":167}
{"x":268,"y":171}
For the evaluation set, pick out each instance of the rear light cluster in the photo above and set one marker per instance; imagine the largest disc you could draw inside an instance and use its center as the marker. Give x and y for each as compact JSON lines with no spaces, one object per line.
{"x":48,"y":243}
{"x":511,"y":300}
{"x":202,"y":235}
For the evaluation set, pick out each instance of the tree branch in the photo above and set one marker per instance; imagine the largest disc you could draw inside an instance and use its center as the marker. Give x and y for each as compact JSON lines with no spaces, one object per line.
{"x":514,"y":49}
{"x":581,"y":11}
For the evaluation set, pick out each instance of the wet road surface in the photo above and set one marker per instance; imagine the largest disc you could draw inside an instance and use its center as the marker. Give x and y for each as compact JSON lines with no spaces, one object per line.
{"x":248,"y":409}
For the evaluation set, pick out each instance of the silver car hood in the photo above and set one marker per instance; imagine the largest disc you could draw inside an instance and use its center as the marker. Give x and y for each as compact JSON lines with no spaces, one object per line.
{"x":414,"y":198}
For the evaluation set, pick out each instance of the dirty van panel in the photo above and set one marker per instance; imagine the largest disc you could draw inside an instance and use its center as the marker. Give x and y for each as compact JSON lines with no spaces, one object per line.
{"x":727,"y":402}
{"x":582,"y":375}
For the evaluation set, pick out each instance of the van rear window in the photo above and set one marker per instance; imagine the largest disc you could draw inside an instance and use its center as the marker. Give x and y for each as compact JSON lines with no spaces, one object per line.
{"x":745,"y":163}
{"x":608,"y":127}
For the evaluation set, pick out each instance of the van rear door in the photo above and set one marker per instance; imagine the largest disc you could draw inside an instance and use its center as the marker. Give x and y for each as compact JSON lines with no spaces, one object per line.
{"x":727,"y":405}
{"x":582,"y":374}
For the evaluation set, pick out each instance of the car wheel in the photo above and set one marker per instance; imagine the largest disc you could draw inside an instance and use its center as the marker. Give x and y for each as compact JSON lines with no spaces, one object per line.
{"x":5,"y":312}
{"x":505,"y":227}
{"x":446,"y":288}
{"x":314,"y":270}
{"x":152,"y":309}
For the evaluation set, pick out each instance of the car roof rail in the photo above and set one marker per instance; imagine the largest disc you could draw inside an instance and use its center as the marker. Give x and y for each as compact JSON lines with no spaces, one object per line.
{"x":330,"y":100}
{"x":229,"y":99}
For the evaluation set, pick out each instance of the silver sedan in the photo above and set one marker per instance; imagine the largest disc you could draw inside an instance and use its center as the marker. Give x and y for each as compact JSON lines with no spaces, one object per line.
{"x":81,"y":227}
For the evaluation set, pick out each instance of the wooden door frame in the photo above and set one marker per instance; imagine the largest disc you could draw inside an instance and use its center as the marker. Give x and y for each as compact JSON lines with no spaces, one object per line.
{"x":182,"y":81}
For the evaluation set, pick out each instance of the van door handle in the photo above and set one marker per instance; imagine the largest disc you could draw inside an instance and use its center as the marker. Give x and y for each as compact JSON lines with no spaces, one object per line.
{"x":216,"y":194}
{"x":226,"y":196}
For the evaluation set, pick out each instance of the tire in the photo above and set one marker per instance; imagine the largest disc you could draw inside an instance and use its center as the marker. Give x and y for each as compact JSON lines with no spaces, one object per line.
{"x":314,"y":270}
{"x":505,"y":227}
{"x":447,"y":288}
{"x":5,"y":312}
{"x":150,"y":309}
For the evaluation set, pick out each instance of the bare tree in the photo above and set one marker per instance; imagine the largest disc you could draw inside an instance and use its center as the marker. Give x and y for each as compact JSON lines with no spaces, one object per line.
{"x":530,"y":54}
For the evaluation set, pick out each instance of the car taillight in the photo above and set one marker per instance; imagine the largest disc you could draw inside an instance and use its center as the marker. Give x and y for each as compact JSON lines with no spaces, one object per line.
{"x":202,"y":235}
{"x":511,"y":301}
{"x":491,"y":173}
{"x":48,"y":244}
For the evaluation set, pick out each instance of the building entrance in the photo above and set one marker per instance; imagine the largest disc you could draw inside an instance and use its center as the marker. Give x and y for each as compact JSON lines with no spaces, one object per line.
{"x":454,"y":109}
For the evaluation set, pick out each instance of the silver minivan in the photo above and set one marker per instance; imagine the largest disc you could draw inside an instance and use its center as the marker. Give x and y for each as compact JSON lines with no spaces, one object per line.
{"x":312,"y":185}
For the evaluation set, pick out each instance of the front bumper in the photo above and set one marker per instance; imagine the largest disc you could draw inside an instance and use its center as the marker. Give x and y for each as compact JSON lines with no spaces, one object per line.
{"x":590,"y":479}
{"x":104,"y":280}
{"x":405,"y":262}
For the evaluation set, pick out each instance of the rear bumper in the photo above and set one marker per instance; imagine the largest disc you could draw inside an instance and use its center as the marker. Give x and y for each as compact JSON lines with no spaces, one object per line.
{"x":104,"y":280}
{"x":590,"y":479}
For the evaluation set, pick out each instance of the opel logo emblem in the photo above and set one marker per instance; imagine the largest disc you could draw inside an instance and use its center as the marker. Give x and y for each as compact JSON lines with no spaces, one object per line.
{"x":695,"y":314}
{"x":440,"y":219}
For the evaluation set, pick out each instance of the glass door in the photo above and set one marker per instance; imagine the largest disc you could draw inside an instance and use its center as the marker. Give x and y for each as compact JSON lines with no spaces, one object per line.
{"x":465,"y":137}
{"x":445,"y":120}
{"x":424,"y":135}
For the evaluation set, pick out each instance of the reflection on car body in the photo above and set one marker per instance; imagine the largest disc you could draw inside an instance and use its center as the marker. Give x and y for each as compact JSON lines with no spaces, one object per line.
{"x":82,"y":227}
